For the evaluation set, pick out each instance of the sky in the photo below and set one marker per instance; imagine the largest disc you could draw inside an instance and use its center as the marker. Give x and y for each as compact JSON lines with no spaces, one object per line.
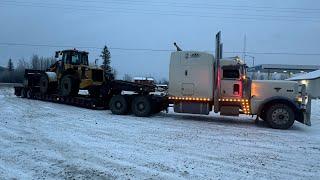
{"x":140,"y":33}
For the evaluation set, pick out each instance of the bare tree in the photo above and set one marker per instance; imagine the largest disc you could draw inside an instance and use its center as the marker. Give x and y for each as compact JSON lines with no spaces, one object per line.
{"x":10,"y":65}
{"x":114,"y":72}
{"x":35,"y":62}
{"x":127,"y":77}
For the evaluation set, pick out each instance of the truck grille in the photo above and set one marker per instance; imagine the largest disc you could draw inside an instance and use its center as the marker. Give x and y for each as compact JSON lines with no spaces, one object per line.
{"x":97,"y":75}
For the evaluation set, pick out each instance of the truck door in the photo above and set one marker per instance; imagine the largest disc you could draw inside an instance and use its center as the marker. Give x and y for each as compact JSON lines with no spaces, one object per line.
{"x":231,"y":83}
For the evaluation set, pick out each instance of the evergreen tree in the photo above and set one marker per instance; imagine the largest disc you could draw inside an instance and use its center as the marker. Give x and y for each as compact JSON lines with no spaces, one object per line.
{"x":10,"y":65}
{"x":105,"y":55}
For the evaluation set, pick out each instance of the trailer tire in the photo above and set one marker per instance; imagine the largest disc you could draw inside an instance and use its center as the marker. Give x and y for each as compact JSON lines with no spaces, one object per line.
{"x":141,"y":106}
{"x":280,"y":116}
{"x":23,"y":93}
{"x":118,"y":105}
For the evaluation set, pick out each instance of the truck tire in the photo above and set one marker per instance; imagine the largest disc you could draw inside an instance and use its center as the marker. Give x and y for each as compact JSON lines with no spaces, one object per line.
{"x":69,"y":86}
{"x":141,"y":106}
{"x":280,"y":116}
{"x":23,"y":93}
{"x":118,"y":105}
{"x":44,"y":84}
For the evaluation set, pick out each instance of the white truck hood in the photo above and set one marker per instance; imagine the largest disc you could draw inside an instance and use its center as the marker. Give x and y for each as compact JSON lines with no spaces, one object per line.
{"x":262,"y":90}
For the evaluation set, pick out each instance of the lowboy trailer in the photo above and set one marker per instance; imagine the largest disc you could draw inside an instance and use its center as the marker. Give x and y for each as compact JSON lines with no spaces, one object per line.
{"x":141,"y":101}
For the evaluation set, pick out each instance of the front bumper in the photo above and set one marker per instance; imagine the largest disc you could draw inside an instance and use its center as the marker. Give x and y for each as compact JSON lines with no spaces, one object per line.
{"x":304,"y":115}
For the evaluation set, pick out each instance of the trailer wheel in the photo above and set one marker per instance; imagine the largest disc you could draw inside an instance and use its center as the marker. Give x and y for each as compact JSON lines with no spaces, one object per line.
{"x":118,"y":105}
{"x":69,"y":86}
{"x":23,"y":93}
{"x":141,"y":106}
{"x":44,"y":84}
{"x":29,"y":94}
{"x":280,"y":116}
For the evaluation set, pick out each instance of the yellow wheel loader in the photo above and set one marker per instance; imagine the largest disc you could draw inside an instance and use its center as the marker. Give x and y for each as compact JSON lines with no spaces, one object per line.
{"x":70,"y":73}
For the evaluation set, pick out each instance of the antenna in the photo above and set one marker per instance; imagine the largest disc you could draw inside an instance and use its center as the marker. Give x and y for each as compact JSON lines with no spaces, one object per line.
{"x":244,"y":48}
{"x":178,"y":48}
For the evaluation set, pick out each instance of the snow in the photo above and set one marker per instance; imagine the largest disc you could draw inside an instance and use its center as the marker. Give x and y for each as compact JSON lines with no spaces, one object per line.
{"x":42,"y":140}
{"x":143,"y":79}
{"x":306,"y":76}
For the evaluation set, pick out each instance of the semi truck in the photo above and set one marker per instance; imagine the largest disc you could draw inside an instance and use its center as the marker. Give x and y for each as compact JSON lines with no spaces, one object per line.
{"x":199,"y":83}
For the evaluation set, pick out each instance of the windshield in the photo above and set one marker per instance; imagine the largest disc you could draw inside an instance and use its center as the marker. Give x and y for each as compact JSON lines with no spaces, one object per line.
{"x":84,"y":58}
{"x":75,"y":58}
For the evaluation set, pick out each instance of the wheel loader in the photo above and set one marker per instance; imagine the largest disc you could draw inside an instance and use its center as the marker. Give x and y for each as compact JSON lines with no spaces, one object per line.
{"x":70,"y":73}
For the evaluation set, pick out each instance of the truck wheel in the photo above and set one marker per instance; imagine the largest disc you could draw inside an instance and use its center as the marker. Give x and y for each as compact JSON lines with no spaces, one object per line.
{"x":141,"y":106}
{"x":44,"y":84}
{"x":23,"y":93}
{"x":280,"y":116}
{"x":118,"y":105}
{"x":69,"y":86}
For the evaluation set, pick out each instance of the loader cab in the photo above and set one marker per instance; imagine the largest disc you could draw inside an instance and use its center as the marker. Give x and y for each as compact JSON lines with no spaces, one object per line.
{"x":74,"y":57}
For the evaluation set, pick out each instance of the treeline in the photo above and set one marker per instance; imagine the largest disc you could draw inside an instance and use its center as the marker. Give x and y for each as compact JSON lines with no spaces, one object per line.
{"x":15,"y":73}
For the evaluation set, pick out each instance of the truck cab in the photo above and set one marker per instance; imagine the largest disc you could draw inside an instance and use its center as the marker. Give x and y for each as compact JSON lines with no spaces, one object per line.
{"x":192,"y":90}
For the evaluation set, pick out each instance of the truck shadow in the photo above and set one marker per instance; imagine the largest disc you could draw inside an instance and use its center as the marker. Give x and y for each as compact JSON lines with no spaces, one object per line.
{"x":225,"y":120}
{"x":214,"y":119}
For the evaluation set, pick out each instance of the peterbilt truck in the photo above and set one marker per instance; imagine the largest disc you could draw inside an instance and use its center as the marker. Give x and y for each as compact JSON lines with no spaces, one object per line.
{"x":200,"y":83}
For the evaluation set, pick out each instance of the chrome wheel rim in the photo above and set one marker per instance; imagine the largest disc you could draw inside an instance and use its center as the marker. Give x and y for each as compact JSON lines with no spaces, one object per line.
{"x":280,"y":116}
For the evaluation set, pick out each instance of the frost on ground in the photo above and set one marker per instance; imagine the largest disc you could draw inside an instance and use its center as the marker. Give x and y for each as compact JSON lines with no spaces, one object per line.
{"x":46,"y":140}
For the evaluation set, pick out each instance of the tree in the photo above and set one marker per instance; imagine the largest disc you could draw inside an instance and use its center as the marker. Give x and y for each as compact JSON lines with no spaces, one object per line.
{"x":35,"y":62}
{"x":114,"y":72}
{"x":105,"y":55}
{"x":127,"y":77}
{"x":10,"y":65}
{"x":164,"y":81}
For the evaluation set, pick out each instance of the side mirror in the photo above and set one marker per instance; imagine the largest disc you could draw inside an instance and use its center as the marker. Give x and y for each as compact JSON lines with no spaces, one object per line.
{"x":57,"y":54}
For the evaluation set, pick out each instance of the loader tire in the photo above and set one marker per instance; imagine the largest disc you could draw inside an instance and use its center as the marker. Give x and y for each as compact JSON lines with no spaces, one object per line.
{"x":69,"y":86}
{"x":141,"y":106}
{"x":44,"y":84}
{"x":118,"y":105}
{"x":280,"y":116}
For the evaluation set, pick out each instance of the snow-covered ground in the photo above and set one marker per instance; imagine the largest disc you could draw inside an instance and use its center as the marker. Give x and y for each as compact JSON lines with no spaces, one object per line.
{"x":53,"y":141}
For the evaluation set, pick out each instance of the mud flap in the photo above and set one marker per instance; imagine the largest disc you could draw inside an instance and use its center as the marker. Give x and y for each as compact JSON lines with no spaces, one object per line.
{"x":307,"y":114}
{"x":304,"y":116}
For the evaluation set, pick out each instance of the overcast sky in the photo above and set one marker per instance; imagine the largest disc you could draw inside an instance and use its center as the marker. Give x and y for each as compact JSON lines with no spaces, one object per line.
{"x":269,"y":25}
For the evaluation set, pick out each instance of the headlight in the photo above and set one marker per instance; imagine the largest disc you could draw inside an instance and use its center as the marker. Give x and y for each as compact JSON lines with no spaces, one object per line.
{"x":299,"y":99}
